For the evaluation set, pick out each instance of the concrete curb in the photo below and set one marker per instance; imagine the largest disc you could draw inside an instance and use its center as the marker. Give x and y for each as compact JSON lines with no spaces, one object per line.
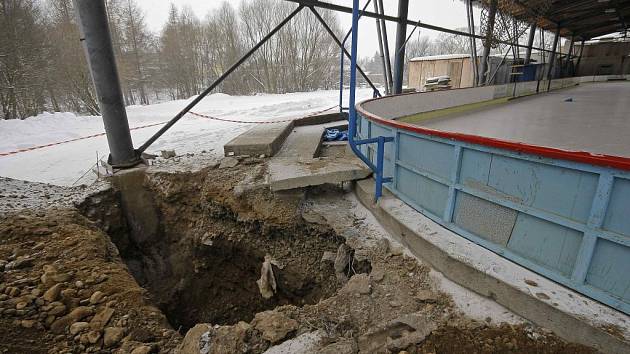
{"x":570,"y":315}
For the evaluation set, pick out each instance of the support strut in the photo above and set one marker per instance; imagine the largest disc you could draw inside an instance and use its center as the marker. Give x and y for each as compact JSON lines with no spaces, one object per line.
{"x":97,"y":43}
{"x":218,"y":81}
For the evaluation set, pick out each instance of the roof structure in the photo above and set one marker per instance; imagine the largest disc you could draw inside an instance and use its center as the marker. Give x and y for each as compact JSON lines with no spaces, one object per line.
{"x":584,"y":19}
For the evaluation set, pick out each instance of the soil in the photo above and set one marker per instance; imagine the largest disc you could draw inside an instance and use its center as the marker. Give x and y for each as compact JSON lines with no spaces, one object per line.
{"x":189,"y":284}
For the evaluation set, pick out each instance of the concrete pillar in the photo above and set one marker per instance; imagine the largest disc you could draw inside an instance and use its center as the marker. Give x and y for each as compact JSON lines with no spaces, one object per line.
{"x":492,"y":12}
{"x":552,"y":58}
{"x":401,"y":37}
{"x":530,"y":43}
{"x":97,"y":43}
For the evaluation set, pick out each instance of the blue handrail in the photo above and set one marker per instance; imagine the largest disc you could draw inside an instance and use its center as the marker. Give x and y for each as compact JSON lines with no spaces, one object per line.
{"x":341,"y":59}
{"x":352,"y":117}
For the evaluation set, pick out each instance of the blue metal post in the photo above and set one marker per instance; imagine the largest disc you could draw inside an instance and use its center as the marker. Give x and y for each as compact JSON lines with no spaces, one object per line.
{"x":343,"y":46}
{"x":379,"y":167}
{"x":352,"y":113}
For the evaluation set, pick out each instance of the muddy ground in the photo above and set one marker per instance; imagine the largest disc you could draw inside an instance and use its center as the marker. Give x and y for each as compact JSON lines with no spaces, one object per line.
{"x":228,"y":267}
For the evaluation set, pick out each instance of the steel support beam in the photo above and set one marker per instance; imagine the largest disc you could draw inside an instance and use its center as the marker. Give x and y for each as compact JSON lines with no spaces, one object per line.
{"x":97,"y":43}
{"x":401,"y":37}
{"x":530,"y":43}
{"x":492,"y":12}
{"x":577,"y":65}
{"x":218,"y":81}
{"x":381,"y":50}
{"x":388,"y":59}
{"x":473,"y":41}
{"x":345,"y":9}
{"x":345,"y":51}
{"x":570,"y":55}
{"x":552,"y":58}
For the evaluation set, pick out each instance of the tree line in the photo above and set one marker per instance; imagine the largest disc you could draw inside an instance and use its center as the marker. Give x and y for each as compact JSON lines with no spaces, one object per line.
{"x":43,"y":67}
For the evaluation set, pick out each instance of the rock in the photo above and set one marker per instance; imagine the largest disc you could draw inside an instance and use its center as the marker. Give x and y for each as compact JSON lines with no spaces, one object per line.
{"x":78,"y":327}
{"x":358,"y":284}
{"x":397,"y":335}
{"x":328,"y":257}
{"x":344,"y":346}
{"x":101,"y":319}
{"x":21,"y":262}
{"x":97,"y":297}
{"x":426,"y":296}
{"x":197,"y":340}
{"x":93,"y":336}
{"x":309,"y":342}
{"x":274,"y":325}
{"x":168,"y":154}
{"x":60,"y":324}
{"x":377,"y":275}
{"x":21,"y":305}
{"x":69,"y":293}
{"x":228,"y":162}
{"x":143,"y":349}
{"x":61,"y":277}
{"x":112,"y":336}
{"x":53,"y":293}
{"x":36,"y":292}
{"x":28,"y":323}
{"x":80,"y":313}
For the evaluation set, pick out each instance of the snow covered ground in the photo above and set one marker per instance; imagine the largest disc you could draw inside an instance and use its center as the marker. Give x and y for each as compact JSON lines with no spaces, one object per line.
{"x":64,"y":164}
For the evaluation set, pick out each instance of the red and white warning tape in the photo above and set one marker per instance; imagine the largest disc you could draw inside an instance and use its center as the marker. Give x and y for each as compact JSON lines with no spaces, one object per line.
{"x":8,"y":153}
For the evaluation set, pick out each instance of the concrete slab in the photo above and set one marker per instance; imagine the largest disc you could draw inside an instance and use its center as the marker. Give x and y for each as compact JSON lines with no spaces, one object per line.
{"x":569,"y":314}
{"x":304,"y":142}
{"x":291,"y":173}
{"x":262,"y":139}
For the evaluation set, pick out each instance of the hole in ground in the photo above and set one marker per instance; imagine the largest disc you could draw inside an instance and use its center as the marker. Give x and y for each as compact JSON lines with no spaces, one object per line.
{"x":203,"y":262}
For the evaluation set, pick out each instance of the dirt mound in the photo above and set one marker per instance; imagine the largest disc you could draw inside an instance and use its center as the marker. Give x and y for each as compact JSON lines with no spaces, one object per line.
{"x":63,"y":286}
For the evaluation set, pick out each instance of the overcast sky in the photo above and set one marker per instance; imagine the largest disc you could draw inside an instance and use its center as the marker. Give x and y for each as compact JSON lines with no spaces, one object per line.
{"x":445,"y":13}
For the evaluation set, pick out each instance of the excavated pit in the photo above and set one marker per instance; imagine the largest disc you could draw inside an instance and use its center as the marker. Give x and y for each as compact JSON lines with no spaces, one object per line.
{"x":202,"y":260}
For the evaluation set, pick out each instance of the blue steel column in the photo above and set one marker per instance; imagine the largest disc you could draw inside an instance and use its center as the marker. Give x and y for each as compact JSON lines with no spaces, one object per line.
{"x":97,"y":43}
{"x":401,"y":37}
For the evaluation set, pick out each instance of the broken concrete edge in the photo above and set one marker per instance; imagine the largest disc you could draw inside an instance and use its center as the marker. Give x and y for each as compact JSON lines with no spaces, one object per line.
{"x":265,"y":139}
{"x":332,"y":172}
{"x":569,"y":314}
{"x":320,"y":119}
{"x":269,"y":145}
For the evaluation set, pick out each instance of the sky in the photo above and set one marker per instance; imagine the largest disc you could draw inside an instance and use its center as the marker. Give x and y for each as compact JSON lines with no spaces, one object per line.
{"x":445,"y":13}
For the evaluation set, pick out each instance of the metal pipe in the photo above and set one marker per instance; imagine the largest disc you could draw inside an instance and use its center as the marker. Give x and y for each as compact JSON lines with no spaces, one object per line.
{"x":334,"y":37}
{"x":552,"y":58}
{"x":381,"y":51}
{"x":473,"y":41}
{"x":488,"y":41}
{"x":352,"y":114}
{"x":97,"y":43}
{"x":577,"y":65}
{"x":339,"y":8}
{"x":401,"y":35}
{"x":218,"y":81}
{"x":570,"y":55}
{"x":530,"y":43}
{"x":388,"y":59}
